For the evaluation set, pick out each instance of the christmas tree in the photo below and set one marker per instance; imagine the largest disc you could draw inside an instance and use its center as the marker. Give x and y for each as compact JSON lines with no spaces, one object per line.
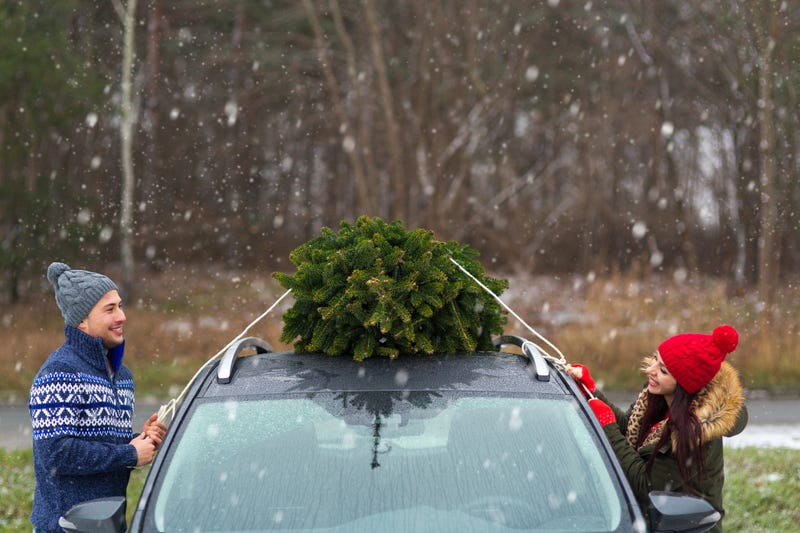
{"x":374,"y":288}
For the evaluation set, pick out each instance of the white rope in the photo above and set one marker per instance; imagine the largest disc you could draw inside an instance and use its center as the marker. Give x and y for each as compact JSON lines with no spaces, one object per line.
{"x":170,"y":407}
{"x":559,"y":361}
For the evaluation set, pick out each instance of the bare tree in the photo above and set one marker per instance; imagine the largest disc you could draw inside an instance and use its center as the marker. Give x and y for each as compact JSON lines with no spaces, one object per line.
{"x":151,"y":115}
{"x":539,"y":132}
{"x":127,"y":17}
{"x":397,"y":179}
{"x":765,"y":27}
{"x":348,"y":131}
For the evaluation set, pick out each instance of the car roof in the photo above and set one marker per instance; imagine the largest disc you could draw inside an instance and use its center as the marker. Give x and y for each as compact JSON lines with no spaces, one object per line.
{"x":289,"y":372}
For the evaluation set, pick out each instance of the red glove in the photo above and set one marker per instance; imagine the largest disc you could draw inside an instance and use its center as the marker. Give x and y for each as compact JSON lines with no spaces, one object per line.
{"x":585,"y":378}
{"x":604,"y":413}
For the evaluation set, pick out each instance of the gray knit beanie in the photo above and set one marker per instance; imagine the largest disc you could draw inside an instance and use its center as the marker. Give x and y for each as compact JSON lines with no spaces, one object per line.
{"x":77,"y":291}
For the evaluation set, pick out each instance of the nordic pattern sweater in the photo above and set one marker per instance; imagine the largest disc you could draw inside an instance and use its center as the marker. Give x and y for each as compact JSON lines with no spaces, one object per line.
{"x":82,"y":426}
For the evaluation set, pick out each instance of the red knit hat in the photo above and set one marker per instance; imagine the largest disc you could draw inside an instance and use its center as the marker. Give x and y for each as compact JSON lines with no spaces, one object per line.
{"x":694,"y":359}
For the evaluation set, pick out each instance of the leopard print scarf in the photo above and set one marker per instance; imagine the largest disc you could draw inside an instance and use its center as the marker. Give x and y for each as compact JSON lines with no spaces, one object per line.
{"x":635,"y":422}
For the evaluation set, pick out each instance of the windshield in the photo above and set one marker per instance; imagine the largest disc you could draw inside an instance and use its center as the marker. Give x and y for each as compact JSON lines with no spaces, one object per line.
{"x":353,"y":462}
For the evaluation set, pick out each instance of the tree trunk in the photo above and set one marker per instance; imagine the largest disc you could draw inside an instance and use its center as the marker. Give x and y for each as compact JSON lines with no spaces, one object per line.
{"x":767,"y":263}
{"x":151,"y":168}
{"x":363,"y":192}
{"x":126,"y":139}
{"x":399,"y":205}
{"x":357,"y":101}
{"x":233,"y":159}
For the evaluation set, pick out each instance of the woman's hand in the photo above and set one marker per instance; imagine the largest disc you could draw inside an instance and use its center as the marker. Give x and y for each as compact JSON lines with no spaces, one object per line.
{"x":604,"y":413}
{"x":581,"y":374}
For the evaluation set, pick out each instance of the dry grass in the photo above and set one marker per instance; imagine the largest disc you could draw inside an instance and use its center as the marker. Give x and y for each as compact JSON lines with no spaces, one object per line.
{"x":176,"y":321}
{"x":611,"y":324}
{"x":180,"y":318}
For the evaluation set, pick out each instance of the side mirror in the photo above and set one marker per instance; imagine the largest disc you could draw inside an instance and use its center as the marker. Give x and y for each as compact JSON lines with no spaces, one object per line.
{"x":671,"y":511}
{"x":103,"y":515}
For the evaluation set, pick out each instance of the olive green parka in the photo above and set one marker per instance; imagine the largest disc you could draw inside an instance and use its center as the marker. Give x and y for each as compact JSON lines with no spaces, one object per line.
{"x":720,"y":408}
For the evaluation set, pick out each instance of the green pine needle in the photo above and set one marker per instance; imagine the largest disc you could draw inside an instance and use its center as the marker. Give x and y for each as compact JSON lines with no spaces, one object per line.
{"x":377,"y":289}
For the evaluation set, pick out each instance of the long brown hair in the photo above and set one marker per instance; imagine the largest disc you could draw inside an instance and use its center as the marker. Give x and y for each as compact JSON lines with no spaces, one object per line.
{"x":684,"y":424}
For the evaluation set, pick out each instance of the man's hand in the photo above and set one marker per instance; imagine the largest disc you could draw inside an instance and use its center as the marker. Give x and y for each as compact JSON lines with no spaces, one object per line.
{"x":145,"y":449}
{"x":154,"y":429}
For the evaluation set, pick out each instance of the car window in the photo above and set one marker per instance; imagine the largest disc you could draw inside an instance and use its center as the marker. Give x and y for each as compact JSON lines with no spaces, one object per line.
{"x":350,"y":462}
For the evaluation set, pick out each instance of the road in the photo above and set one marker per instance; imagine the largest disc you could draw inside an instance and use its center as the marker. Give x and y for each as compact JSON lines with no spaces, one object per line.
{"x":773,"y":422}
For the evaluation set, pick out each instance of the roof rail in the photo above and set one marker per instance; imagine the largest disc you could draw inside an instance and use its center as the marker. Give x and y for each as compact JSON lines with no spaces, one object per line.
{"x":225,"y":369}
{"x":530,"y":350}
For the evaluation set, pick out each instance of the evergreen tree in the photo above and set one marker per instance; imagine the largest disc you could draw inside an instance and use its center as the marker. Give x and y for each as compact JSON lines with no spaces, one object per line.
{"x":377,"y":289}
{"x":47,"y":85}
{"x":34,"y":230}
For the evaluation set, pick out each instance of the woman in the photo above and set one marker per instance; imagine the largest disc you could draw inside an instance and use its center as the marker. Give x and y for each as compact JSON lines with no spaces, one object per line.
{"x":671,"y":437}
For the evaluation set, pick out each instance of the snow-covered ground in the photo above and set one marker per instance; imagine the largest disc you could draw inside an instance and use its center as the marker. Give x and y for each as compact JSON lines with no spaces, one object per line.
{"x":766,"y":436}
{"x":773,"y":423}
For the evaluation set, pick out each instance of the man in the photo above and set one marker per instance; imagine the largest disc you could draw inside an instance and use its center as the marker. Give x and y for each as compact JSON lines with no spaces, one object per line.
{"x":81,"y":403}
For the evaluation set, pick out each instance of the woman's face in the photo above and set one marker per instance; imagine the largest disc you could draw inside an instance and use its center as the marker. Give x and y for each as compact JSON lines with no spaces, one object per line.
{"x":659,"y":380}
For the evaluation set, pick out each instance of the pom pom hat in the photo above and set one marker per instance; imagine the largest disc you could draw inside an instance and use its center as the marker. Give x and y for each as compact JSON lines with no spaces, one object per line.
{"x":694,"y":359}
{"x":77,"y":291}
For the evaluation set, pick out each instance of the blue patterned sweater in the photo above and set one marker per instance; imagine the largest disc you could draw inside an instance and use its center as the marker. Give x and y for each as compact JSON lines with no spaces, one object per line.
{"x":82,"y":426}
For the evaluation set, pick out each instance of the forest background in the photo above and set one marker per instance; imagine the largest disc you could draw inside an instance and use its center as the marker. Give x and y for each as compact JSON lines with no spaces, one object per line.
{"x":630,"y":166}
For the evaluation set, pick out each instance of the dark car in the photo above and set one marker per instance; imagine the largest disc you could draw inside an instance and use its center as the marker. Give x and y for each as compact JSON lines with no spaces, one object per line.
{"x":309,"y":442}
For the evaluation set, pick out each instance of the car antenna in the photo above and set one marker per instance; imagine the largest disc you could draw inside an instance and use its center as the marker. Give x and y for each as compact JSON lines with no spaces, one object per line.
{"x":170,"y":406}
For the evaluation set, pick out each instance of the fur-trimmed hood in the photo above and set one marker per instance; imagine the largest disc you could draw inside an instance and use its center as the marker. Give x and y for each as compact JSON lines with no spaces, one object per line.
{"x":717,"y":405}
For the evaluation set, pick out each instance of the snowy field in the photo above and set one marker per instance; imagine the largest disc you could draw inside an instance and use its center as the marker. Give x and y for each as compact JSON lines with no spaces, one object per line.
{"x":766,"y":436}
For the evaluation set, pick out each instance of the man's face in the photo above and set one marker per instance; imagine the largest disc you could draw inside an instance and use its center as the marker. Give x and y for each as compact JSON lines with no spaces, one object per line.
{"x":105,"y":320}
